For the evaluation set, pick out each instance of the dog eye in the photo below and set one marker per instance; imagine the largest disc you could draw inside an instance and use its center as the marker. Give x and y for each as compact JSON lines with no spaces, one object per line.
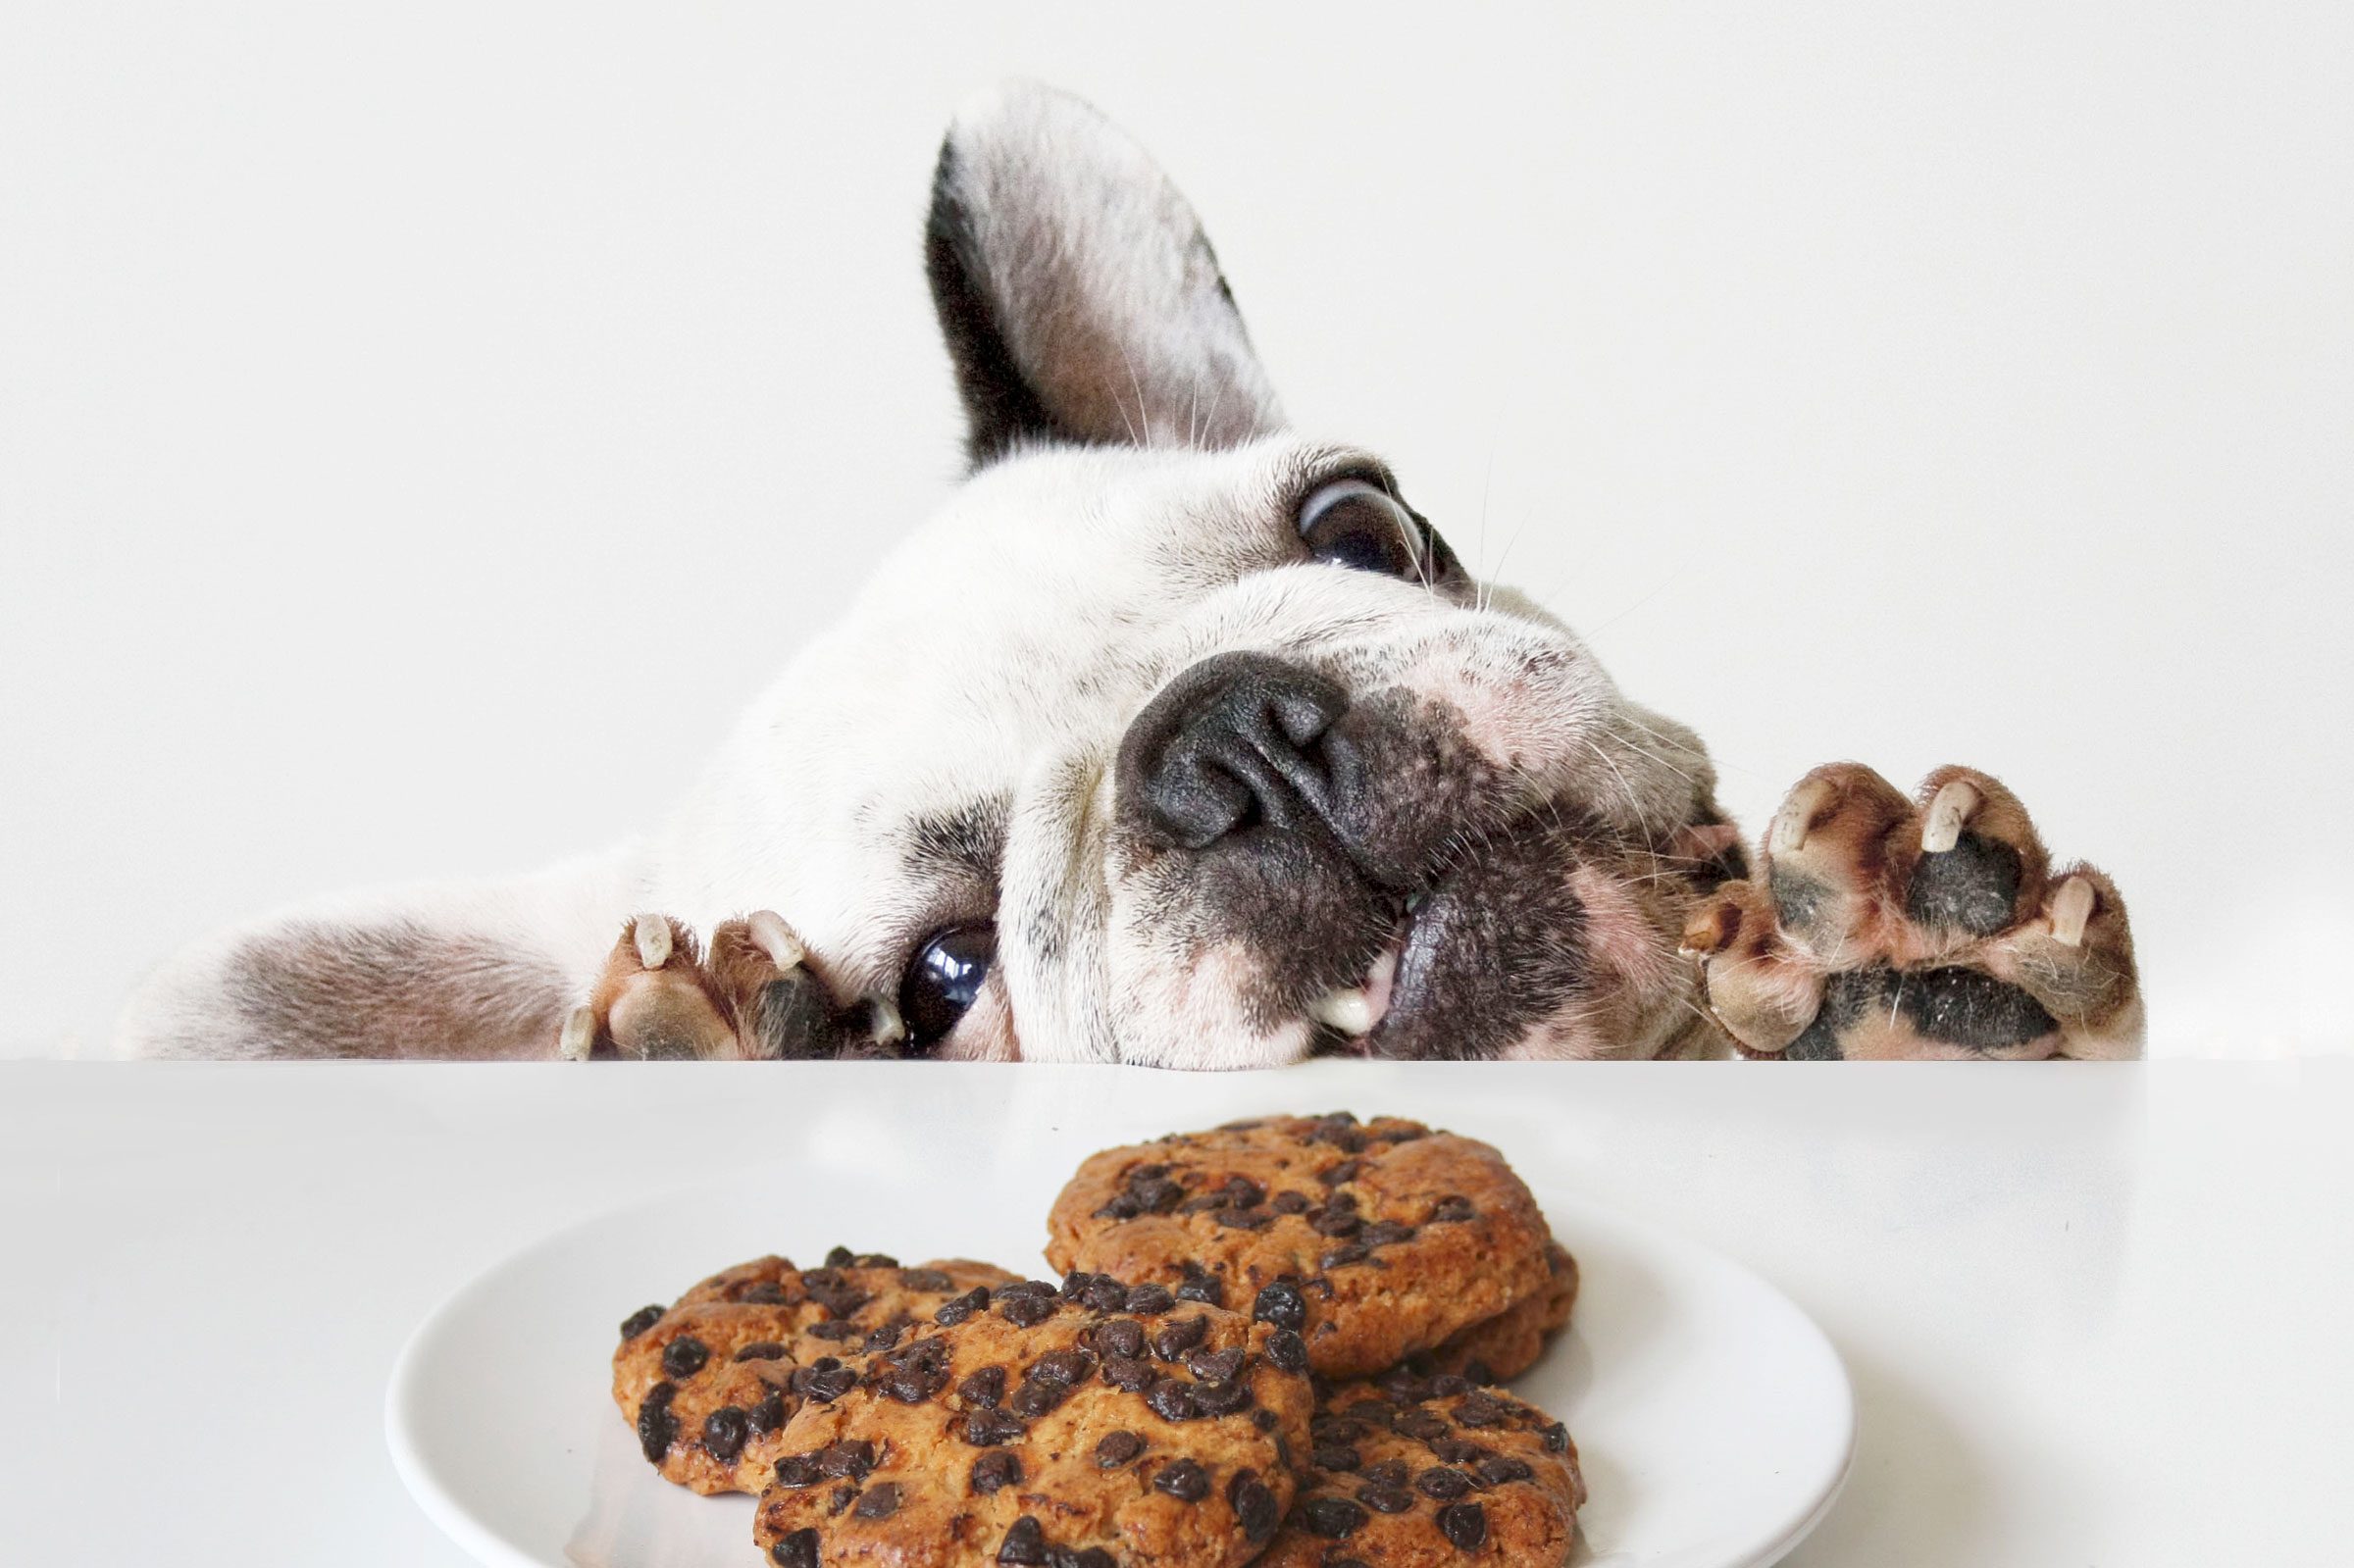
{"x":1355,"y":523}
{"x":943,"y":981}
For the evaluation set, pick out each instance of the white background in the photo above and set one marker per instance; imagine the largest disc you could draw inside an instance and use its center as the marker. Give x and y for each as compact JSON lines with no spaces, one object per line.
{"x":421,"y":429}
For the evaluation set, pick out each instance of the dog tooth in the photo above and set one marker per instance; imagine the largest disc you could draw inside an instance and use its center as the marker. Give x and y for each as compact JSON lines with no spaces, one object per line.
{"x":888,"y":1026}
{"x":652,"y":935}
{"x":1952,"y":806}
{"x":772,"y":936}
{"x":1348,"y":1009}
{"x":1788,"y":830}
{"x":2072,"y":908}
{"x":579,"y":1034}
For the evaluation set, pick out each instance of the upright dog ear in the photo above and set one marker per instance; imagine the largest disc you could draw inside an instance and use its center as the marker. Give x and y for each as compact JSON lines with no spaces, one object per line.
{"x":1079,"y":299}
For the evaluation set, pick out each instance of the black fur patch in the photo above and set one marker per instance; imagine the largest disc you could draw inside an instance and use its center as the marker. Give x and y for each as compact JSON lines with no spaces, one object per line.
{"x":1972,"y":886}
{"x":1000,"y":407}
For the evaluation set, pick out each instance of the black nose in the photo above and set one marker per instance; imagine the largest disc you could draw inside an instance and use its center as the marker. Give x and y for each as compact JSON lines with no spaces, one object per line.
{"x":1235,"y":740}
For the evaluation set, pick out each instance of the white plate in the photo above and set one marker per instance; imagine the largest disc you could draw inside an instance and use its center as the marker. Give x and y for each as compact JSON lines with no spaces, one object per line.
{"x":1713,"y":1419}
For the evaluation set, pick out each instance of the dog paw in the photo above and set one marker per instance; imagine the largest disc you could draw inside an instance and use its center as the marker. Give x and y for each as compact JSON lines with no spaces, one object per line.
{"x":750,"y":995}
{"x":1878,"y":926}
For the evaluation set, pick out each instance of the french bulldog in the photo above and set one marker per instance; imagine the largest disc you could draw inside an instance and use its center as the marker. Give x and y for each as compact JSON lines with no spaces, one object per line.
{"x":1240,"y":766}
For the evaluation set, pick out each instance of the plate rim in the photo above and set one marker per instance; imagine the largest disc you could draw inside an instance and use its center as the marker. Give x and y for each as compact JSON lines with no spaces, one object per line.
{"x":487,"y":1547}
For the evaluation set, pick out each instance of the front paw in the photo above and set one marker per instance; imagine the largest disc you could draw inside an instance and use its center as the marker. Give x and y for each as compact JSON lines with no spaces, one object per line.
{"x":1935,"y":926}
{"x":750,"y":997}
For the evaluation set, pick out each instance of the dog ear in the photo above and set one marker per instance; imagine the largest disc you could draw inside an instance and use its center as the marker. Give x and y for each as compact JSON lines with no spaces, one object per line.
{"x":1079,"y":299}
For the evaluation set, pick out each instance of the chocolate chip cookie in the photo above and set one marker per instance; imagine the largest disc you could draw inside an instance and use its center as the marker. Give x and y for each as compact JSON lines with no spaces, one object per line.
{"x":711,"y":1382}
{"x":1373,"y":1240}
{"x":1508,"y":1344}
{"x":1097,"y":1425}
{"x":1414,"y":1473}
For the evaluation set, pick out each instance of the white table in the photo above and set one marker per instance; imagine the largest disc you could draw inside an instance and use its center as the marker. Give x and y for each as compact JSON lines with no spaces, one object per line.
{"x":2094,"y":1315}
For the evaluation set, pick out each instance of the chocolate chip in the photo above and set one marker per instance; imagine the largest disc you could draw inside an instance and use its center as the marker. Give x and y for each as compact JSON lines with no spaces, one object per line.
{"x":1221,"y":1398}
{"x":915,"y":1372}
{"x":1245,"y":1219}
{"x":841,"y":1258}
{"x":1105,"y":1295}
{"x":1025,"y":1544}
{"x":1254,"y":1506}
{"x":1287,"y":1351}
{"x":1064,"y":1366}
{"x":1386,"y":1500}
{"x":796,"y":1550}
{"x":1129,"y":1372}
{"x":1121,"y":1337}
{"x":884,"y":1338}
{"x":1339,"y":1257}
{"x":1092,"y":1557}
{"x":1281,"y":1305}
{"x":1146,"y":1173}
{"x":762,"y":1351}
{"x":987,"y":1427}
{"x":1334,"y":1518}
{"x":837,"y":1328}
{"x":1185,"y":1480}
{"x":828,"y":1384}
{"x":926,"y":1280}
{"x":1338,"y":1457}
{"x":1037,"y":1396}
{"x":1335,"y":1175}
{"x":638,"y":1321}
{"x":1121,"y":1207}
{"x":1265,"y":1421}
{"x":657,"y":1428}
{"x":849,"y":1459}
{"x":1446,"y":1385}
{"x":1557,"y":1438}
{"x":1388,"y":1473}
{"x":1116,"y":1448}
{"x":1199,"y":1285}
{"x":1464,"y":1525}
{"x":880,"y":1501}
{"x":1024,"y":1311}
{"x":1292,"y":1204}
{"x":1172,"y":1401}
{"x":1456,"y":1452}
{"x":768,"y":1292}
{"x":797,"y":1470}
{"x":1215,"y":1366}
{"x":984,"y":1389}
{"x":1337,"y":1429}
{"x":875,"y":1260}
{"x":1453,"y":1208}
{"x":1424,"y":1424}
{"x":841,"y":1498}
{"x":1498,"y":1470}
{"x":1147,"y":1299}
{"x":1385,"y":1233}
{"x":724,"y":1432}
{"x":769,"y":1414}
{"x":684,"y":1356}
{"x":1173,"y":1340}
{"x":1444,"y":1483}
{"x":995,"y":1470}
{"x":1157,"y":1195}
{"x":1478,"y":1410}
{"x":953,"y":1312}
{"x":1243,"y":1192}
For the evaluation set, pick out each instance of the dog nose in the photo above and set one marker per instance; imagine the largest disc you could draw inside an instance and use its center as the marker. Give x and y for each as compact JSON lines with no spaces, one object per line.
{"x":1234,"y":741}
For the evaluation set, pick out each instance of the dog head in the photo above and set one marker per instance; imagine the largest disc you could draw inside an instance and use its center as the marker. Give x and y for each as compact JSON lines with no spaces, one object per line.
{"x":1179,"y":737}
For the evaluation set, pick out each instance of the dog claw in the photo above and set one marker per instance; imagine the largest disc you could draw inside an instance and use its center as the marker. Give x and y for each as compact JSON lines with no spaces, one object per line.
{"x":650,"y":935}
{"x":1788,"y":831}
{"x":1953,"y":806}
{"x":2071,"y":909}
{"x":772,"y":936}
{"x":887,"y":1028}
{"x":578,"y":1037}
